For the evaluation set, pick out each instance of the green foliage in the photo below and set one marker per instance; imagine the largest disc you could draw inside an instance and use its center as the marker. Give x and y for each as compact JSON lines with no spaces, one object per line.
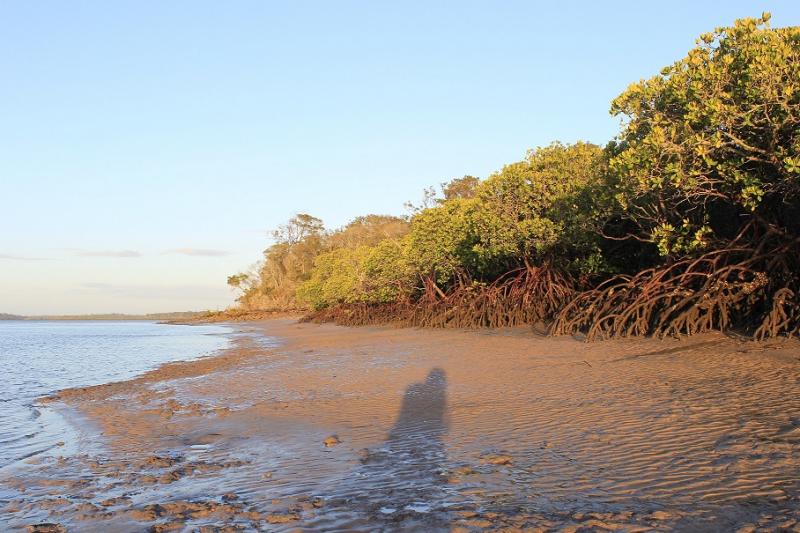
{"x":337,"y":278}
{"x":389,"y":273}
{"x":290,"y":262}
{"x":368,"y":230}
{"x":287,"y":263}
{"x":707,"y":165}
{"x":465,"y":187}
{"x":718,"y":127}
{"x":534,"y":210}
{"x":442,"y":240}
{"x":364,"y":274}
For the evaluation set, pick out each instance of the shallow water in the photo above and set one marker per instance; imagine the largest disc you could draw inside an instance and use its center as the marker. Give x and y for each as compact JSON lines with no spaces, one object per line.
{"x":41,"y":357}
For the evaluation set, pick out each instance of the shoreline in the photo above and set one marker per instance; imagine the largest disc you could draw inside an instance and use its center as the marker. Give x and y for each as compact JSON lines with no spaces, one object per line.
{"x":234,"y":316}
{"x":199,"y":366}
{"x":217,"y":441}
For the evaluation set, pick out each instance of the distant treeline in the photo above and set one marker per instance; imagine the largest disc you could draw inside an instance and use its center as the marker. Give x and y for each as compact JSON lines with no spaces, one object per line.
{"x":688,"y":221}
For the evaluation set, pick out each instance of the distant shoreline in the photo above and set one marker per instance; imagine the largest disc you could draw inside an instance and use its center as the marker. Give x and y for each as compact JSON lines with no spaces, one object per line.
{"x":180,"y":315}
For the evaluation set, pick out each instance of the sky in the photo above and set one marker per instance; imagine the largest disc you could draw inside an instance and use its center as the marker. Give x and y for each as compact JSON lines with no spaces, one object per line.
{"x":147,"y":148}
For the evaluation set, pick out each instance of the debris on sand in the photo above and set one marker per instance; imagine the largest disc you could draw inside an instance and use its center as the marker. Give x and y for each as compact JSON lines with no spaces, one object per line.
{"x":497,"y":459}
{"x":331,"y":441}
{"x":46,"y":528}
{"x":277,"y":518}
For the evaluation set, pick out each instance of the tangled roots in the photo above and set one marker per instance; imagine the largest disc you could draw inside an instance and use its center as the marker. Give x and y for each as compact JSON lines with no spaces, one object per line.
{"x":751,"y":289}
{"x":362,"y":314}
{"x":521,"y":297}
{"x":743,"y":288}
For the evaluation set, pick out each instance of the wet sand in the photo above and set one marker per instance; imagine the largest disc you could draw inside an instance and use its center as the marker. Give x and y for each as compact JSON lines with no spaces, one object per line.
{"x":371,"y":429}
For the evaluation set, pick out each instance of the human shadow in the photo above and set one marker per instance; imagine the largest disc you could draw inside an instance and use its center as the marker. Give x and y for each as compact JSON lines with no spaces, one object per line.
{"x":422,"y":420}
{"x":402,"y":480}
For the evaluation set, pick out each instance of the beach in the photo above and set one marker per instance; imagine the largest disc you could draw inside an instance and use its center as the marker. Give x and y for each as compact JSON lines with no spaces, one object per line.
{"x":321,"y":427}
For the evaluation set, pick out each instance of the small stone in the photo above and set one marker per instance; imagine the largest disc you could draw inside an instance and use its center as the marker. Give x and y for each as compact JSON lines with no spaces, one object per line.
{"x":281,"y":518}
{"x":159,"y":461}
{"x":498,"y":459}
{"x":229,"y":497}
{"x":142,"y":515}
{"x":116,"y":501}
{"x":46,"y":527}
{"x":53,"y":503}
{"x":660,"y":515}
{"x":600,"y":525}
{"x":479,"y":523}
{"x":252,"y":514}
{"x":169,"y":526}
{"x":169,"y":477}
{"x":331,"y":441}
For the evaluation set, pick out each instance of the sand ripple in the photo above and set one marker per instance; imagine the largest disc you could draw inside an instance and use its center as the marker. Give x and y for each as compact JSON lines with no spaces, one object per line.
{"x":437,"y":430}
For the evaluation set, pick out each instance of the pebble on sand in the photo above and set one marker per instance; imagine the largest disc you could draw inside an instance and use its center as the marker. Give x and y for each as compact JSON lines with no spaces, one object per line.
{"x":46,"y":528}
{"x":333,"y":440}
{"x":277,"y":518}
{"x":497,"y":459}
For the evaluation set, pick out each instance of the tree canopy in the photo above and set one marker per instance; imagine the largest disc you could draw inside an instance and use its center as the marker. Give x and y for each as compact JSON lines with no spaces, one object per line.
{"x":713,"y":137}
{"x":688,"y":220}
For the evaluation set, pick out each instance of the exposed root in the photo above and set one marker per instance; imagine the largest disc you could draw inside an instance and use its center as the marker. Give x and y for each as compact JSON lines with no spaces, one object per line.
{"x":521,"y":297}
{"x":752,"y":289}
{"x":746,"y":289}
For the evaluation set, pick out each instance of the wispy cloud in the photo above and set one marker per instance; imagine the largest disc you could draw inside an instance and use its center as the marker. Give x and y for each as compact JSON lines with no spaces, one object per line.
{"x":199,"y":252}
{"x":22,"y":258}
{"x":96,"y":285}
{"x":156,"y":292}
{"x":108,"y":253}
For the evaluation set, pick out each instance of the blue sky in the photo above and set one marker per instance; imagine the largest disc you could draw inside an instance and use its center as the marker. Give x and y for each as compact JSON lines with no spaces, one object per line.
{"x":147,"y":147}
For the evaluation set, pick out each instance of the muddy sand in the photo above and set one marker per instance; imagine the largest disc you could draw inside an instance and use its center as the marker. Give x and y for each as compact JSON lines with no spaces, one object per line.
{"x":372,"y":429}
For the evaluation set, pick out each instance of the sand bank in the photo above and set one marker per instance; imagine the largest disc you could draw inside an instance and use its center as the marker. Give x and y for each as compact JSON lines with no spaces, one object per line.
{"x":434,"y":430}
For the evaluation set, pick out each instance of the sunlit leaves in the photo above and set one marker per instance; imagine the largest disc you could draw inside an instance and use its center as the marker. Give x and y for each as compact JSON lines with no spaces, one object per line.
{"x":719,"y":126}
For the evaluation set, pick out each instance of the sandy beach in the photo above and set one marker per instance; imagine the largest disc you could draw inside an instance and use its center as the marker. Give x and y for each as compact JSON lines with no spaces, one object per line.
{"x":366,"y":429}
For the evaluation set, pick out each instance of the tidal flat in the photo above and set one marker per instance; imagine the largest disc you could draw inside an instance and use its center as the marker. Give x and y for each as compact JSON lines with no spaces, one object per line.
{"x":304,"y":427}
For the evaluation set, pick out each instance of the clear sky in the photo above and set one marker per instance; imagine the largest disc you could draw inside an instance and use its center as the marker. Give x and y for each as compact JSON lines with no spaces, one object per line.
{"x":147,"y":147}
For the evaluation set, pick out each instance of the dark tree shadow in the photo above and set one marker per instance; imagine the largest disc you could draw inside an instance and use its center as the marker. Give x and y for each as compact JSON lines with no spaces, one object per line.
{"x":401,"y":482}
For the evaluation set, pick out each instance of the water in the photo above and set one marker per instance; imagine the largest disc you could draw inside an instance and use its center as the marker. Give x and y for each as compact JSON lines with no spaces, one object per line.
{"x":41,"y":357}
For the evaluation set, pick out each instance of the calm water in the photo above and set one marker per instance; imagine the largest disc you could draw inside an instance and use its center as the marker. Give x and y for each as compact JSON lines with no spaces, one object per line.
{"x":41,"y":357}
